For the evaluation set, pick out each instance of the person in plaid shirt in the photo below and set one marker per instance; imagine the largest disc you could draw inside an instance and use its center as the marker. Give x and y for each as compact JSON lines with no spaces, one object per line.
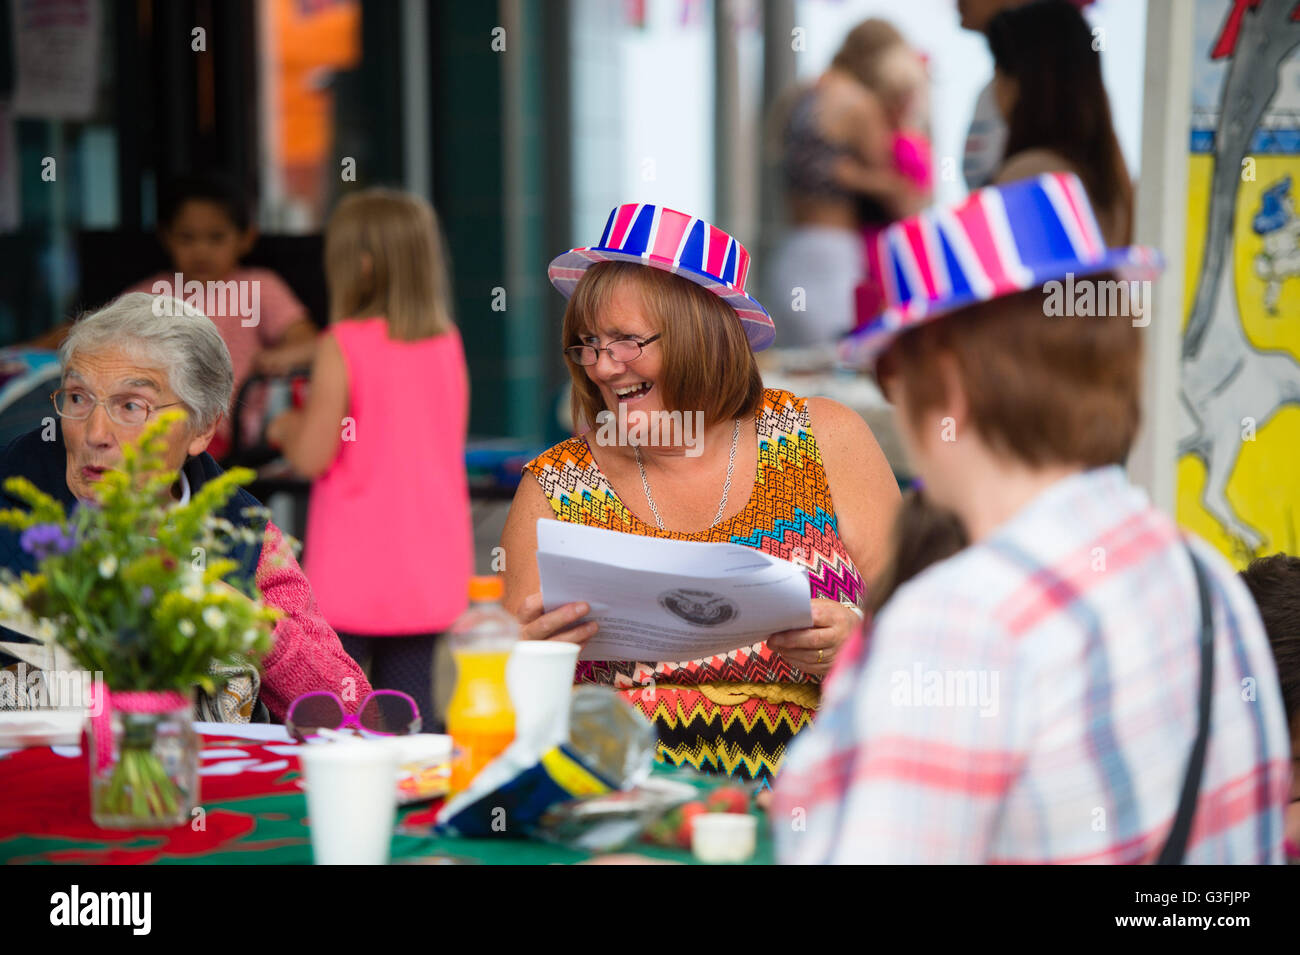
{"x":1034,"y":698}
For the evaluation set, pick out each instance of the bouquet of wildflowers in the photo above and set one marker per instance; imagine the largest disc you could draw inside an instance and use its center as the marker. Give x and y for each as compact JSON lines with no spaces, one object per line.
{"x":132,"y":585}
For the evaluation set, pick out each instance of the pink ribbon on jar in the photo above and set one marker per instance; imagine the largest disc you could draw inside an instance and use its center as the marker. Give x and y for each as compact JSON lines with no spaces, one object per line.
{"x":127,"y":701}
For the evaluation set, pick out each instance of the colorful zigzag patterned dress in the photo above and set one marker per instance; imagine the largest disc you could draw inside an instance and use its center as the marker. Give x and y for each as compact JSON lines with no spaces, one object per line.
{"x":730,"y":714}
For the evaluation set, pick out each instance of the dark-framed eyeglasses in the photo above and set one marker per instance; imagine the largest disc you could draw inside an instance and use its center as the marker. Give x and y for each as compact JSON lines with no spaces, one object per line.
{"x":128,"y":410}
{"x":622,"y":351}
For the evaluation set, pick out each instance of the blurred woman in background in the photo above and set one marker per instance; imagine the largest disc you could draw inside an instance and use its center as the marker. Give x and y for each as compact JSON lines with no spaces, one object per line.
{"x":852,"y":159}
{"x":1048,"y":87}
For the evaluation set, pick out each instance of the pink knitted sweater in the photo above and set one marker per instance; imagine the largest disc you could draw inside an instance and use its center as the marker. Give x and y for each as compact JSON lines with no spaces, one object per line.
{"x":307,"y":654}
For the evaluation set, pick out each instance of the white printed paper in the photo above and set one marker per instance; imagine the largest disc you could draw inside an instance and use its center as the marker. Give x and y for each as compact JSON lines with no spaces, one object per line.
{"x":668,"y":600}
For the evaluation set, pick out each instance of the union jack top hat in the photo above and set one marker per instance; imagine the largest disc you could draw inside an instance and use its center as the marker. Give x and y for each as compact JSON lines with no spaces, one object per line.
{"x":995,"y":242}
{"x":675,"y":242}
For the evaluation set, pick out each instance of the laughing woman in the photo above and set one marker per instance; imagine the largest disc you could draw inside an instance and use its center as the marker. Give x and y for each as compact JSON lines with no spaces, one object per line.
{"x":658,"y":321}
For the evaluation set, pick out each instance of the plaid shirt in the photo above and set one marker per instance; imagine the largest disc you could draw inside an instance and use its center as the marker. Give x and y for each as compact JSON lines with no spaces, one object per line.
{"x":1034,"y":699}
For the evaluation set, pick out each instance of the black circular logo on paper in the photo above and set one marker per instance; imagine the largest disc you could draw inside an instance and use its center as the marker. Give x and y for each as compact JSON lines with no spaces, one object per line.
{"x":700,"y":607}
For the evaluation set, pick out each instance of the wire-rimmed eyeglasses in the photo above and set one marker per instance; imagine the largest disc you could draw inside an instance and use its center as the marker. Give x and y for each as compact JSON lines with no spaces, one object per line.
{"x":622,"y":351}
{"x":128,"y":410}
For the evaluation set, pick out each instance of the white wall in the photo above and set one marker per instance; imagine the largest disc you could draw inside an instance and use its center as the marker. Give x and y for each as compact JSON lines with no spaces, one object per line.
{"x":642,"y":110}
{"x":643,"y":96}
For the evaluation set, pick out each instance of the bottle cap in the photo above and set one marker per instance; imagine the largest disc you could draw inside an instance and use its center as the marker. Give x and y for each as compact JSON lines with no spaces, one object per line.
{"x":488,"y":587}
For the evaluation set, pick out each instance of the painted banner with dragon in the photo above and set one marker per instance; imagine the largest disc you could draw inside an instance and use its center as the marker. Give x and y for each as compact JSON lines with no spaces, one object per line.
{"x":1239,"y":407}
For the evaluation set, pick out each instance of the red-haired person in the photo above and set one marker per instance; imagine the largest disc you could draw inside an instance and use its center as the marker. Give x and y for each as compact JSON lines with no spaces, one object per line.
{"x":1043,"y":696}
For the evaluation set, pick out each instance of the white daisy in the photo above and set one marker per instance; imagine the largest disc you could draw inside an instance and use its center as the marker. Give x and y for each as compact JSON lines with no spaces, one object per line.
{"x":11,"y":605}
{"x":192,"y":589}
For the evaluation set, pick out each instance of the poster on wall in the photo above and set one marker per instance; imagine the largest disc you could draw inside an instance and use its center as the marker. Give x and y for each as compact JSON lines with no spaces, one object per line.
{"x":56,"y":46}
{"x":1239,"y":402}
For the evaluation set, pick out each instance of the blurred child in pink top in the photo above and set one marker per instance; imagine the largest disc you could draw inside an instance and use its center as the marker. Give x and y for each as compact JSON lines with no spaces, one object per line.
{"x":389,"y":548}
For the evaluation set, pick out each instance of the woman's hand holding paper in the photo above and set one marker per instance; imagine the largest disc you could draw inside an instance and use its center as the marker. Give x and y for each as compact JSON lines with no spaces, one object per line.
{"x":556,"y":625}
{"x":813,"y":650}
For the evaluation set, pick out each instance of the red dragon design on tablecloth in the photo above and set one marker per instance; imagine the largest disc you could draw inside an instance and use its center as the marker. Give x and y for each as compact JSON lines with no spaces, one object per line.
{"x":47,"y":797}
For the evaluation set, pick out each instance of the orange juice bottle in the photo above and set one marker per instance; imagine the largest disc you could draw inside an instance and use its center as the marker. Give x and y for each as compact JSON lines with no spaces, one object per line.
{"x":480,"y":717}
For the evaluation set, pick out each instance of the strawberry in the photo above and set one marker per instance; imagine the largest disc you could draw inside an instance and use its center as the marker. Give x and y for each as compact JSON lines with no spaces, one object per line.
{"x":728,"y":799}
{"x":688,"y":812}
{"x":663,"y":831}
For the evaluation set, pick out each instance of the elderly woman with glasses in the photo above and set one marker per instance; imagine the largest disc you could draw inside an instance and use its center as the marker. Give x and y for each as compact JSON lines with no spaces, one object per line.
{"x":120,"y":366}
{"x":658,"y":322}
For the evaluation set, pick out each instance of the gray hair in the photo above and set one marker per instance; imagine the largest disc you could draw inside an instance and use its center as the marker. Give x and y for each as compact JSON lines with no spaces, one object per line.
{"x":168,"y":333}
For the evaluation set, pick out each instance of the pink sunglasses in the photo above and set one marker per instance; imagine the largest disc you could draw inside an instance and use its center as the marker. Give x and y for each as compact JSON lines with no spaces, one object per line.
{"x":382,"y":713}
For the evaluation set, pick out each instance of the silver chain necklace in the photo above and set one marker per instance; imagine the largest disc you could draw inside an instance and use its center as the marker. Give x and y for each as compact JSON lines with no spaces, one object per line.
{"x":726,"y":488}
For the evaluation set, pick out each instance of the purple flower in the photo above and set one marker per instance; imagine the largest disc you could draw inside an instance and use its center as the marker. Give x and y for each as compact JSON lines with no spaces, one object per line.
{"x":78,"y":508}
{"x":46,"y":540}
{"x":145,"y":596}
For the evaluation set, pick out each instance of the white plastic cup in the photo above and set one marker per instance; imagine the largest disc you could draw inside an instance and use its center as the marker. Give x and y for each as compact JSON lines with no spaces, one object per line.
{"x":351,"y":800}
{"x":540,"y":678}
{"x":724,"y":836}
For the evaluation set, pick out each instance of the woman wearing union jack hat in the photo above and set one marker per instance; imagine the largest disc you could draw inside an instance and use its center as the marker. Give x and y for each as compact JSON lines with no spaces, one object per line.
{"x":659,"y":321}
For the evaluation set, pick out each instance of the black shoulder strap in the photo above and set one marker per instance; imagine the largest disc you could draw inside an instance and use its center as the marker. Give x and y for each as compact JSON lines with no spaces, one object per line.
{"x":1176,"y":845}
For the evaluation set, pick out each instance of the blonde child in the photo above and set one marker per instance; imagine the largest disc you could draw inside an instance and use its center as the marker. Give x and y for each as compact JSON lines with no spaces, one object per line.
{"x":388,"y":545}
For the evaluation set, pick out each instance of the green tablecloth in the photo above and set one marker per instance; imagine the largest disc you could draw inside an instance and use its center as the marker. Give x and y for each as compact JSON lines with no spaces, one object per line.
{"x":410,"y":849}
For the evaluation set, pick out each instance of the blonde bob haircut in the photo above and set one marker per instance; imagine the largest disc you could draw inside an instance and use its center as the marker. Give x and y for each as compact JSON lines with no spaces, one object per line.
{"x":384,"y":256}
{"x":707,"y":363}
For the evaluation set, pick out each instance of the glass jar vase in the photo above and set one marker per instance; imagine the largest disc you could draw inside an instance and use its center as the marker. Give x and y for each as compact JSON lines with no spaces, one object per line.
{"x":144,"y":761}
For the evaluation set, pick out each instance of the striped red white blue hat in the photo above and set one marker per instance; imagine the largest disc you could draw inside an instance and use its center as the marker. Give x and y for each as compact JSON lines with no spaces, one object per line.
{"x":675,"y":242}
{"x":995,"y":242}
